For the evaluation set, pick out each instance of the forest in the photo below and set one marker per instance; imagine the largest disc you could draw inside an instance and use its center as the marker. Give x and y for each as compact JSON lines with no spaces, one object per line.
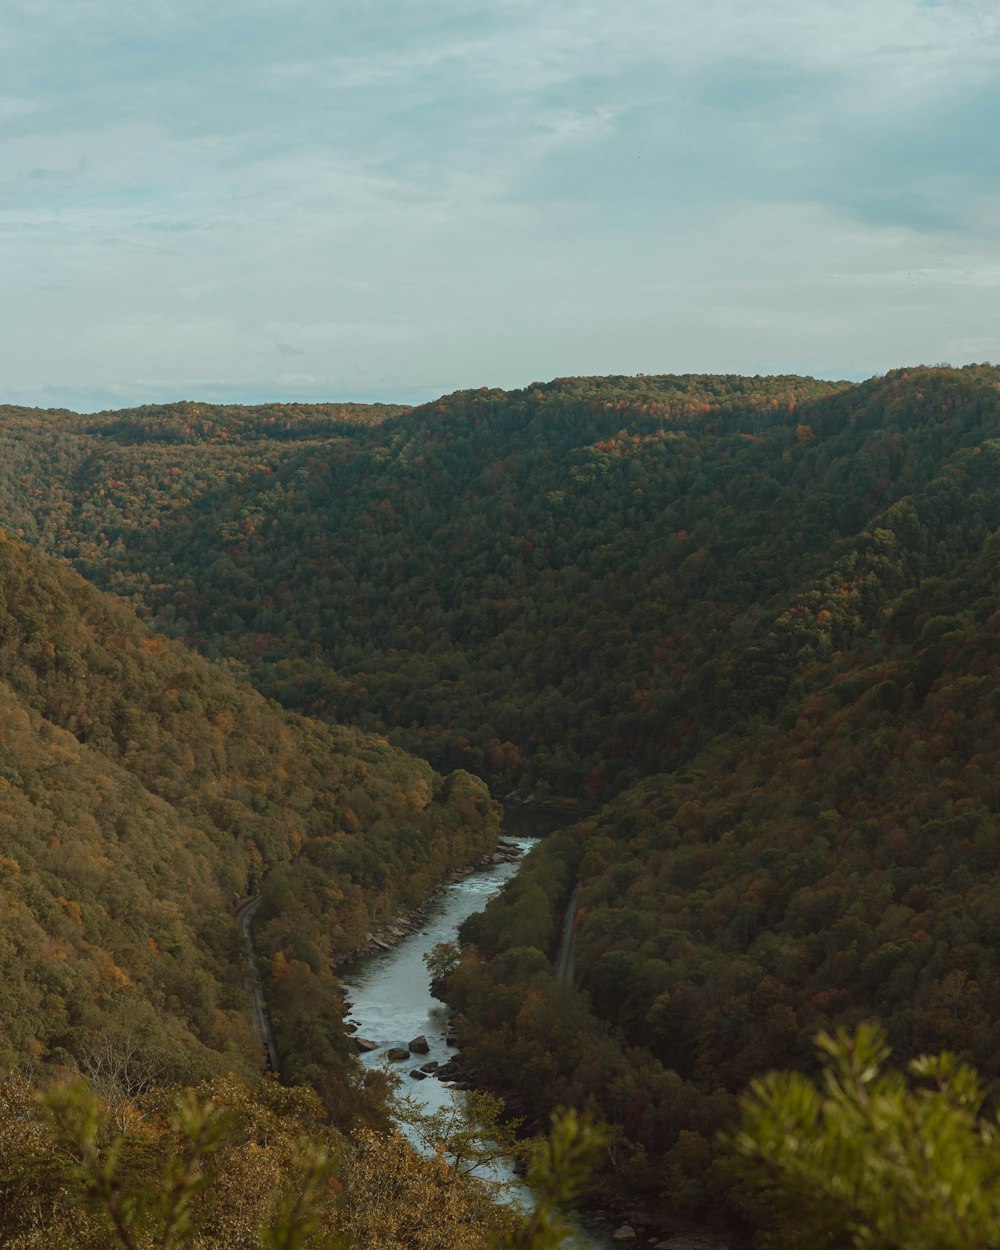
{"x":142,"y":790}
{"x":745,"y":630}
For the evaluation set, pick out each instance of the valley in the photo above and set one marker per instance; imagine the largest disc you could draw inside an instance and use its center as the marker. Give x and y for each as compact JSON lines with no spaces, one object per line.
{"x":744,"y":632}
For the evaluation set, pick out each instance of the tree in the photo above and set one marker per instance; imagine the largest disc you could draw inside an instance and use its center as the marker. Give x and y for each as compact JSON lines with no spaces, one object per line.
{"x":864,"y":1158}
{"x":120,"y":1068}
{"x":255,"y":1168}
{"x":442,"y":960}
{"x":560,"y":1170}
{"x":470,"y":1134}
{"x":134,"y":1211}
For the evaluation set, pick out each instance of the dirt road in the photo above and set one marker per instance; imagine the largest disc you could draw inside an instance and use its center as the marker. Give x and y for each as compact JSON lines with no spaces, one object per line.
{"x":567,"y":944}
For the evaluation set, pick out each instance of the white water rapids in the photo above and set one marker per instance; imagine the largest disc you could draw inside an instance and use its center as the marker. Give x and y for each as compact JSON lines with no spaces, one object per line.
{"x":392,"y":1004}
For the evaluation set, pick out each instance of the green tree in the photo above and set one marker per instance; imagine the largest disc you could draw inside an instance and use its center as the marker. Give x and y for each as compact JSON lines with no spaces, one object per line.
{"x":470,"y":1134}
{"x":442,"y":959}
{"x":561,"y":1167}
{"x":865,"y":1158}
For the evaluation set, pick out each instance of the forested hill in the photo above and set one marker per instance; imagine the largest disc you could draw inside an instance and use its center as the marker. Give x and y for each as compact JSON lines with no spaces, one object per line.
{"x":143,"y":788}
{"x":834,"y":859}
{"x":562,"y":588}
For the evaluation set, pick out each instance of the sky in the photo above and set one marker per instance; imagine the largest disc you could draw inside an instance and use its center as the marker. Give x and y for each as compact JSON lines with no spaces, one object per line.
{"x":394,"y":199}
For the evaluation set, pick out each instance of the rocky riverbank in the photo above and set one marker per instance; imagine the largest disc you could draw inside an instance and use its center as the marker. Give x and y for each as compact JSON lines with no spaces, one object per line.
{"x":391,"y":934}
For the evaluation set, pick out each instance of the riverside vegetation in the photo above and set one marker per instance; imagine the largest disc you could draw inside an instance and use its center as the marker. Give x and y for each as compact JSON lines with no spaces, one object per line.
{"x":749,"y":625}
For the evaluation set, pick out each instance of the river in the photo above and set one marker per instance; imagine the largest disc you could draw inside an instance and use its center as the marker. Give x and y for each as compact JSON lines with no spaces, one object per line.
{"x":392,"y":1002}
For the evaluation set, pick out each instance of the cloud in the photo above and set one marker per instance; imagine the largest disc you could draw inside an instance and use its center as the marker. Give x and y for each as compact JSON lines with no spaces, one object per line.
{"x":459,"y":193}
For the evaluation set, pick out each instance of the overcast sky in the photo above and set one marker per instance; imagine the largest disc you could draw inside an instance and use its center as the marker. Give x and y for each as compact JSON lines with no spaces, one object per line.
{"x":391,"y":199}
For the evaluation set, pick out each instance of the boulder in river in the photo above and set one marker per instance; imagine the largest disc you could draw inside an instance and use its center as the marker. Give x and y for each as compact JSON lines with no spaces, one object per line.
{"x":418,"y":1074}
{"x":420,"y":1045}
{"x":428,"y":1068}
{"x":365,"y":1044}
{"x":624,"y":1232}
{"x":395,"y":1054}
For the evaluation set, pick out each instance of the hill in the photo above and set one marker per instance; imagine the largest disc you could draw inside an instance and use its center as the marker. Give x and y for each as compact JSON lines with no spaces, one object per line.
{"x":486,"y":578}
{"x":536,"y":585}
{"x":832,"y":861}
{"x":141,"y":790}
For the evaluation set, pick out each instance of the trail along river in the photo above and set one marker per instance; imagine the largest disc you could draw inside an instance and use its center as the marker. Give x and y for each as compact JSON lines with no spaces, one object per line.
{"x":392,"y":1002}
